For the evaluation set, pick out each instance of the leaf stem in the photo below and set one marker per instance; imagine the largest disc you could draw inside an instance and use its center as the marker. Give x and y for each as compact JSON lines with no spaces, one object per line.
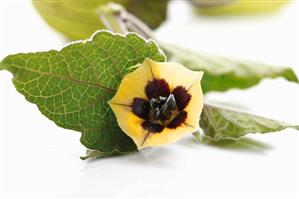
{"x":109,"y":14}
{"x":117,"y":19}
{"x":136,"y":25}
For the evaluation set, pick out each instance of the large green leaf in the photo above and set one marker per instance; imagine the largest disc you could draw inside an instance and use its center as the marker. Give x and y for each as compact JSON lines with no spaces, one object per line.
{"x":223,"y":73}
{"x":221,"y":123}
{"x":72,"y":86}
{"x":79,"y":19}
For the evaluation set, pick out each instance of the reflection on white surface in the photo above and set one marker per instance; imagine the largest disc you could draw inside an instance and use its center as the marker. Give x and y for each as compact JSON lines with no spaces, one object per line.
{"x":130,"y":174}
{"x":152,"y":172}
{"x":168,"y":171}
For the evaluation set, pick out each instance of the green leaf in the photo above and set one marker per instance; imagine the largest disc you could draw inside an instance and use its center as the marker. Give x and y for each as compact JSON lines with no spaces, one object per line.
{"x":72,"y":86}
{"x":92,"y":154}
{"x":79,"y":19}
{"x":221,"y":123}
{"x":237,"y":7}
{"x":223,"y":73}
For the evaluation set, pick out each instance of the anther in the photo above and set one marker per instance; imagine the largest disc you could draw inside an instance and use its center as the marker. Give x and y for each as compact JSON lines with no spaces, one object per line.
{"x":156,"y":114}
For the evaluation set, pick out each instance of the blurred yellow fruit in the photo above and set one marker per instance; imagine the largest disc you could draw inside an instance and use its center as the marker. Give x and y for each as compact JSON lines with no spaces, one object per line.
{"x":231,"y":7}
{"x":79,"y":19}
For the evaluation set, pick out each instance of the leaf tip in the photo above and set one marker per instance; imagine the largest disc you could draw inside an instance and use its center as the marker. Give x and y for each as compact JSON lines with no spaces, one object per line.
{"x":290,"y":75}
{"x":2,"y":66}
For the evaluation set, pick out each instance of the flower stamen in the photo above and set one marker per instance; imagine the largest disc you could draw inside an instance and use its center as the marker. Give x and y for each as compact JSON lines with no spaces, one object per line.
{"x":162,"y":108}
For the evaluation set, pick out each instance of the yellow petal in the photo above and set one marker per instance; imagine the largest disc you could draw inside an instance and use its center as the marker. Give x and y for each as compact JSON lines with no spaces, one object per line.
{"x":195,"y":105}
{"x":167,"y":136}
{"x":130,"y":123}
{"x":133,"y":85}
{"x":175,"y":74}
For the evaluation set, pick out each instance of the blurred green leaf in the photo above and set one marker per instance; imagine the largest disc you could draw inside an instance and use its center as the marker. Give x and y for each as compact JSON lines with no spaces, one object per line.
{"x":79,"y":19}
{"x":72,"y":86}
{"x":237,"y":7}
{"x":221,"y":123}
{"x":223,"y":73}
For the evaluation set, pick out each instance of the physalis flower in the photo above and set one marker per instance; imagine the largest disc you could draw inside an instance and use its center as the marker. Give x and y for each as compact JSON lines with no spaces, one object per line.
{"x":158,"y":103}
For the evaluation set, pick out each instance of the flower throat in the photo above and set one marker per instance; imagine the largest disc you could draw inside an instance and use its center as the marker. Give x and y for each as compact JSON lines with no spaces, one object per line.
{"x":161,"y":108}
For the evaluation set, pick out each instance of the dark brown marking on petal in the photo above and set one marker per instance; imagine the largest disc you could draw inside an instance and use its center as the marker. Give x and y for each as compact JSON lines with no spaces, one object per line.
{"x":193,"y":83}
{"x":156,"y":88}
{"x":178,"y":120}
{"x":189,"y":125}
{"x":118,"y":104}
{"x":152,"y":127}
{"x":182,"y":97}
{"x":144,"y":139}
{"x":151,"y":70}
{"x":141,"y":107}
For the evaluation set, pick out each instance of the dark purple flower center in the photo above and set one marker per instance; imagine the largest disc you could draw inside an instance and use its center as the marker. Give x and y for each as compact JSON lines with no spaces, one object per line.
{"x":162,"y":108}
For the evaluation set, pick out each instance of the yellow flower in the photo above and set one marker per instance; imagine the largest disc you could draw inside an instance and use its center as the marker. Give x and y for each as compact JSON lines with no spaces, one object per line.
{"x":158,"y":103}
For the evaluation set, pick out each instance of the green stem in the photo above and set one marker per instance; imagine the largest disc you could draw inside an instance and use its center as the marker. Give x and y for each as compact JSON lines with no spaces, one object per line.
{"x":109,"y":14}
{"x":118,"y":20}
{"x":136,"y":25}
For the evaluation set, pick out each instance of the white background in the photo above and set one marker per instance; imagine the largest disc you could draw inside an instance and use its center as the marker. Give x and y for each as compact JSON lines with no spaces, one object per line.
{"x":39,"y":159}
